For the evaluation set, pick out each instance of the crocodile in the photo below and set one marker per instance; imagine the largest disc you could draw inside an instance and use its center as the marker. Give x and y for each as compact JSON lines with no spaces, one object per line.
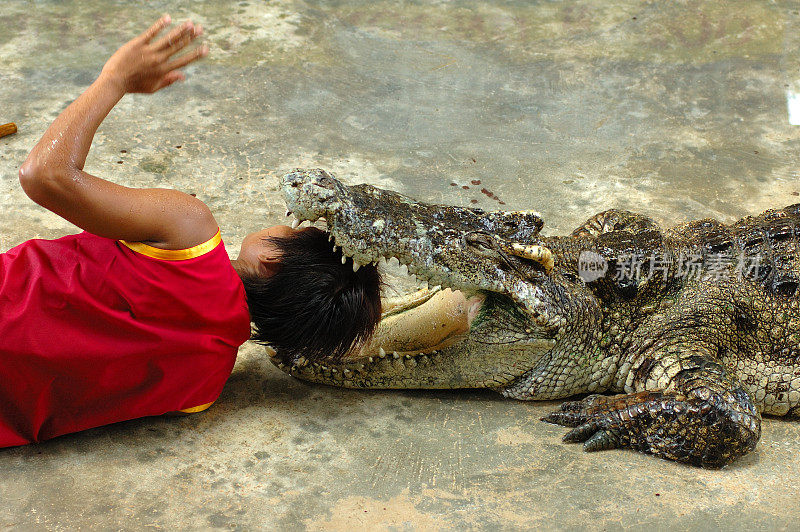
{"x":674,"y":341}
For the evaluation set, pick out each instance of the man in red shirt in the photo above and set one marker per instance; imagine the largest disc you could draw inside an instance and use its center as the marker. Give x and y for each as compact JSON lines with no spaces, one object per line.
{"x":143,"y":312}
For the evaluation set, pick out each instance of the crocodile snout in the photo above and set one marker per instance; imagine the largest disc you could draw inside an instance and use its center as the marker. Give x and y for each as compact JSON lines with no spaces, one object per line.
{"x":311,"y":193}
{"x":311,"y":181}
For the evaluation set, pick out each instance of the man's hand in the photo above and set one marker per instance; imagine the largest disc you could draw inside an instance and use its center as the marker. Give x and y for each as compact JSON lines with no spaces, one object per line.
{"x":148,"y":65}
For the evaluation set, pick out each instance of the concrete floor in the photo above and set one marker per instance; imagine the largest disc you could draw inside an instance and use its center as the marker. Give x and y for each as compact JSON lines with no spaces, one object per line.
{"x":677,"y":110}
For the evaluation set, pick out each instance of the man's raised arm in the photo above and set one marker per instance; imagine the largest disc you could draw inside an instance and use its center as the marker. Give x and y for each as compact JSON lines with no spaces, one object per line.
{"x":53,"y":175}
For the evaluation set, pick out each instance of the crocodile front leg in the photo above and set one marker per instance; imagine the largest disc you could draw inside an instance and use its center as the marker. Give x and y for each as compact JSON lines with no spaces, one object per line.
{"x":702,"y":416}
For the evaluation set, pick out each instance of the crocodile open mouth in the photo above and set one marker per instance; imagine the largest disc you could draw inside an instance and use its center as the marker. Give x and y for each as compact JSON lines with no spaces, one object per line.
{"x":419,"y":319}
{"x":462,"y":271}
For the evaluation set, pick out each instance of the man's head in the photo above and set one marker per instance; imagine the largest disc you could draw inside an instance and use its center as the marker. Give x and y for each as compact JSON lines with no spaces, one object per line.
{"x":303,"y":301}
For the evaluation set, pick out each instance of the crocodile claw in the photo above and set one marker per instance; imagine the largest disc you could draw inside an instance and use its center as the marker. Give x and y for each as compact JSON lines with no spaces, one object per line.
{"x":593,"y":424}
{"x":594,"y":437}
{"x":565,"y":418}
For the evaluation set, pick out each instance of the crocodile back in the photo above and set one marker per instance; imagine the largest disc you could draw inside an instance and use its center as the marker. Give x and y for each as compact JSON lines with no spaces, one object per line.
{"x":770,"y":240}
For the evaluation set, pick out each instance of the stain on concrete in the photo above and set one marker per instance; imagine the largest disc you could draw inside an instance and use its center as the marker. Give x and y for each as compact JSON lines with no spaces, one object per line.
{"x":156,"y":164}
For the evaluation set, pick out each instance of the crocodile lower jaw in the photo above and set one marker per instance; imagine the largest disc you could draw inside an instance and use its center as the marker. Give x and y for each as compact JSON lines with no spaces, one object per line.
{"x":355,"y":372}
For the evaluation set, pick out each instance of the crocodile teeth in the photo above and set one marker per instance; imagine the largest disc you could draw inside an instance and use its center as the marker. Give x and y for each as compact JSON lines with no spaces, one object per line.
{"x":295,"y":223}
{"x":382,"y":352}
{"x":356,"y":266}
{"x":344,"y":259}
{"x":334,"y":248}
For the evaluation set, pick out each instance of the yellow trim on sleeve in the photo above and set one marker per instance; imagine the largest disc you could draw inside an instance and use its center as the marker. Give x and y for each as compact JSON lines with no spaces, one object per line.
{"x":196,"y":409}
{"x":174,"y":254}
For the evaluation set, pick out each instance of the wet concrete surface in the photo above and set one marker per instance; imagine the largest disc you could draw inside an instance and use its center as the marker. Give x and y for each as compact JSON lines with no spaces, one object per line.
{"x":678,"y":110}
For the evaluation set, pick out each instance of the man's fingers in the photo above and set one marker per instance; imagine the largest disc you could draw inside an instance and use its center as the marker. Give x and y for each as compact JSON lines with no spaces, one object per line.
{"x":184,"y":39}
{"x":169,"y":79}
{"x":177,"y":45}
{"x":185,"y":59}
{"x":175,"y":39}
{"x":157,"y":26}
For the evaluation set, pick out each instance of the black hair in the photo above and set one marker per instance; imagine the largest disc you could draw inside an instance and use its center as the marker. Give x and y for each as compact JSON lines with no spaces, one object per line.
{"x":313,"y":306}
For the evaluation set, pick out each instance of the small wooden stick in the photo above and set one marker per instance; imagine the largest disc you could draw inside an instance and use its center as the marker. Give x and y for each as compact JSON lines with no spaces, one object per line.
{"x":8,"y":129}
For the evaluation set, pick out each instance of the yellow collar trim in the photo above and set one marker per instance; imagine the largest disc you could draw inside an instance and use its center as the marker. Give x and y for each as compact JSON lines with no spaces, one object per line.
{"x":175,"y":254}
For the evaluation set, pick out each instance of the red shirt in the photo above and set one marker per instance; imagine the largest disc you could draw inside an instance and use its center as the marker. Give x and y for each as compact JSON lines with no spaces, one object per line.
{"x":94,"y":331}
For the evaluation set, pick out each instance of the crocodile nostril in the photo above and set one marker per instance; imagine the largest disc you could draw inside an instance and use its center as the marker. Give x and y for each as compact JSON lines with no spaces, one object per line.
{"x":325,"y":183}
{"x":295,"y":184}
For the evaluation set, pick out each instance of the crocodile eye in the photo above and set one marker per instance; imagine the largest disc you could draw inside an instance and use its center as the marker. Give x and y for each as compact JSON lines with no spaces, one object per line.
{"x":480,"y":242}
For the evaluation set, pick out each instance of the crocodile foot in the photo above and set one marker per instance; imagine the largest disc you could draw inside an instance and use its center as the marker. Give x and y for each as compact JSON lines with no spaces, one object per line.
{"x":666,"y":424}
